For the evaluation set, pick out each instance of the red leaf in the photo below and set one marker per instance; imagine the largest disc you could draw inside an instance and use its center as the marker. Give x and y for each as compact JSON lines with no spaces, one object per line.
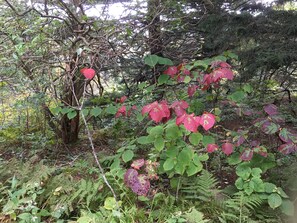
{"x":121,"y":111}
{"x":227,"y":148}
{"x":287,"y":136}
{"x":130,"y":177}
{"x":190,"y":122}
{"x":137,"y":164}
{"x":207,"y":120}
{"x":179,"y":107}
{"x":212,"y":147}
{"x":225,"y":65}
{"x":240,"y":140}
{"x":171,"y":71}
{"x":192,"y":90}
{"x":287,"y":148}
{"x":89,"y":73}
{"x":141,"y":186}
{"x":186,"y":72}
{"x":254,"y":143}
{"x":270,"y":127}
{"x":157,"y":111}
{"x":123,"y":99}
{"x":261,"y":150}
{"x":180,"y":78}
{"x":148,"y":108}
{"x":131,"y":109}
{"x":216,"y":75}
{"x":227,"y":73}
{"x":247,"y":154}
{"x":207,"y":79}
{"x":271,"y":109}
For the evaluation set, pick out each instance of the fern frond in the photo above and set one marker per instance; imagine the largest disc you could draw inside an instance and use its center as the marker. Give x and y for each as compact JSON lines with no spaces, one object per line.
{"x":203,"y":187}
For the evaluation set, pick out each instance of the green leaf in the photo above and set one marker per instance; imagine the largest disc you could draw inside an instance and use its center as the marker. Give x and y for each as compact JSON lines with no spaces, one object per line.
{"x":144,"y":140}
{"x":185,"y":156}
{"x":234,"y":159}
{"x":85,"y":112}
{"x":156,"y":131}
{"x":111,"y":110}
{"x":274,"y":200}
{"x":71,"y":114}
{"x":95,"y":111}
{"x":256,"y":172}
{"x":195,"y":138}
{"x":85,"y":219}
{"x":172,"y":132}
{"x":239,"y":183}
{"x":172,"y":152}
{"x":270,"y":188}
{"x":244,"y":171}
{"x":180,"y":168}
{"x":208,"y":140}
{"x":287,"y":207}
{"x":151,"y":60}
{"x":165,"y":61}
{"x":127,"y":155}
{"x":56,"y":110}
{"x":169,"y":164}
{"x":163,"y":79}
{"x":237,"y":96}
{"x":247,"y":88}
{"x":193,"y":169}
{"x":159,"y":143}
{"x":110,"y":203}
{"x":187,"y":79}
{"x":203,"y":157}
{"x":282,"y":193}
{"x":201,"y":63}
{"x":139,"y":117}
{"x":258,"y":184}
{"x":65,"y":110}
{"x":141,"y":85}
{"x":217,"y":111}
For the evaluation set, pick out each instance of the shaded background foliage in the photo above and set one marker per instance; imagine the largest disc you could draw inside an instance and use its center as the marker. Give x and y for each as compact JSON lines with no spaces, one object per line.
{"x":46,"y":43}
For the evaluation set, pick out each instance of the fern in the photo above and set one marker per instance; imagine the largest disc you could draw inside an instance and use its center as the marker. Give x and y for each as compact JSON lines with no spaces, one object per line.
{"x":203,"y":187}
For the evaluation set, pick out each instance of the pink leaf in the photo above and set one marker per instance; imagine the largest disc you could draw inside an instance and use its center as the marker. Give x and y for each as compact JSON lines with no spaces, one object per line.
{"x":271,"y":109}
{"x":207,"y":120}
{"x":123,"y":99}
{"x":247,"y":154}
{"x":216,"y":75}
{"x":227,"y":73}
{"x":157,"y":111}
{"x":171,"y":71}
{"x":148,"y":108}
{"x":227,"y":148}
{"x":137,"y":164}
{"x":190,"y":122}
{"x":130,"y":177}
{"x":141,"y":186}
{"x":240,"y":140}
{"x":186,"y":72}
{"x":287,"y":148}
{"x":121,"y":111}
{"x":180,"y":119}
{"x":180,"y":78}
{"x":192,"y":90}
{"x":179,"y":107}
{"x":89,"y":73}
{"x":212,"y":147}
{"x":261,"y":150}
{"x":225,"y":65}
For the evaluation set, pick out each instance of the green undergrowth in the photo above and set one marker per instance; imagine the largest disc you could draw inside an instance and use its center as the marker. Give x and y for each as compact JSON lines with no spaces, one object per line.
{"x":73,"y":191}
